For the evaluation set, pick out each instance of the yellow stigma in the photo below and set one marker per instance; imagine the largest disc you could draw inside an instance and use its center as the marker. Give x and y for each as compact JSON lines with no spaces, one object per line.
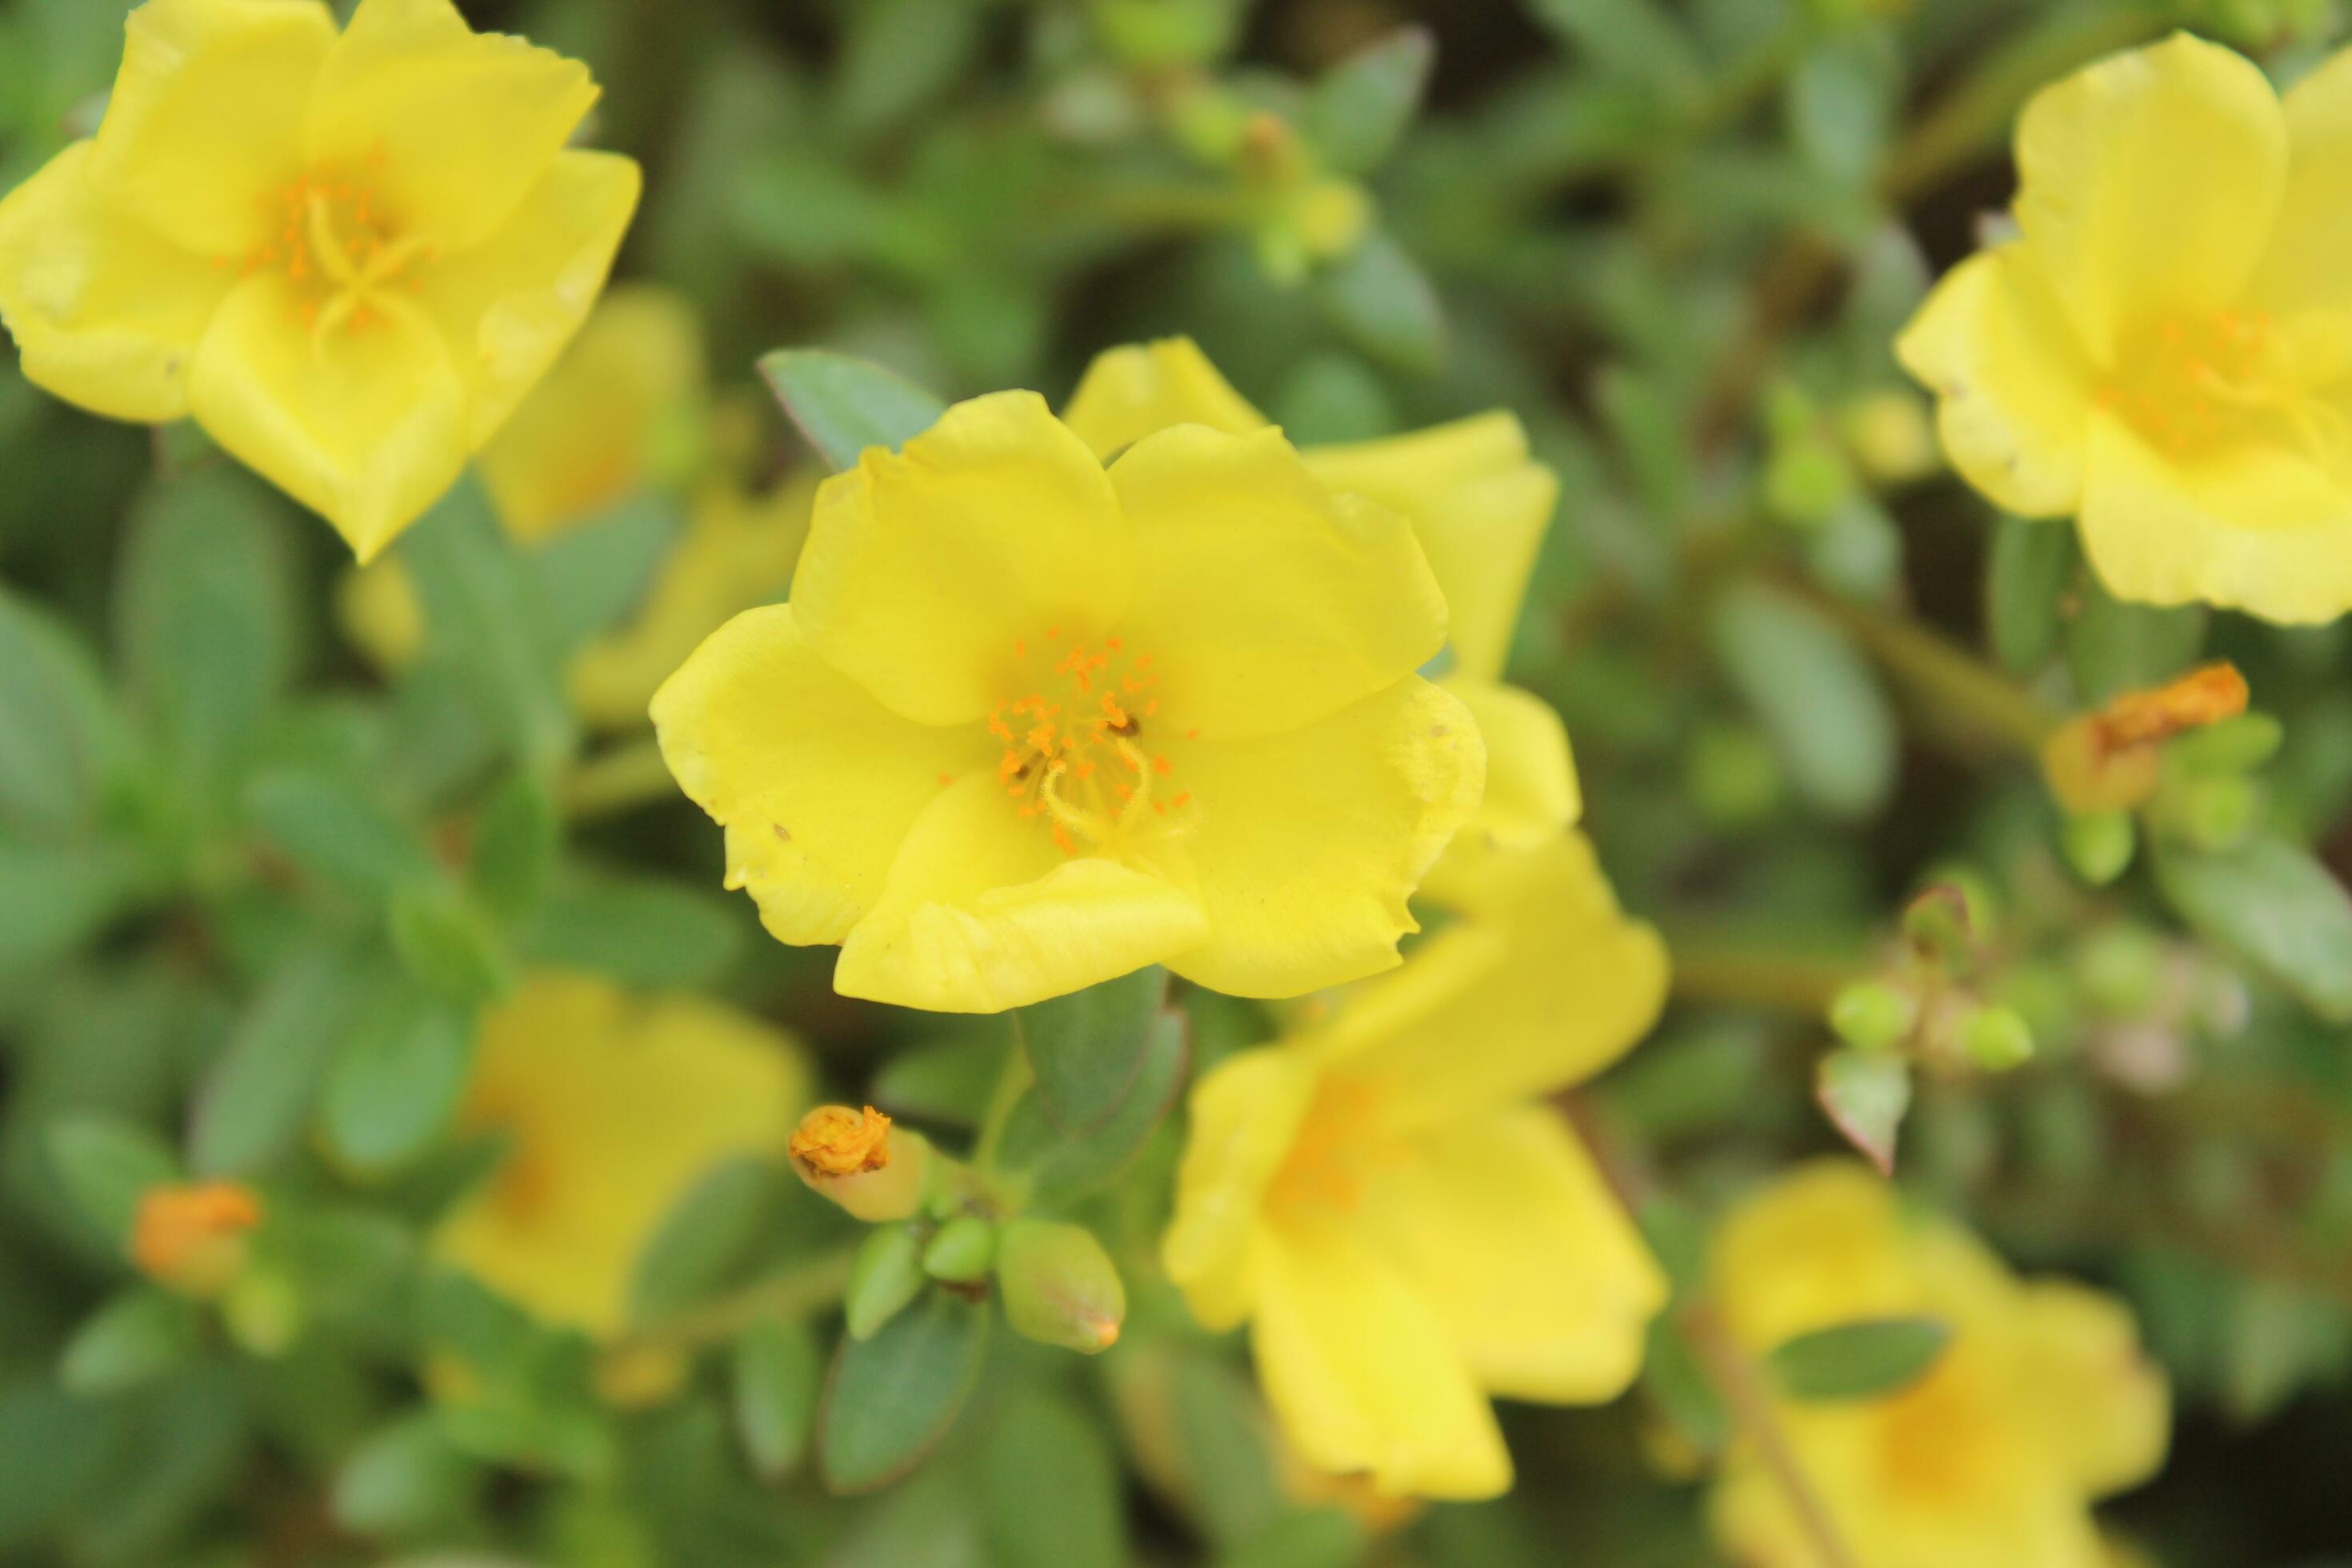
{"x":2192,"y":384}
{"x":330,"y":235}
{"x":192,"y":1237}
{"x":835,"y":1141}
{"x":1082,"y":751}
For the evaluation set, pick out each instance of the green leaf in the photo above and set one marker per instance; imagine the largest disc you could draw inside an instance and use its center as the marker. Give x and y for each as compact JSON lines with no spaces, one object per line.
{"x":55,"y":896}
{"x":446,"y":943}
{"x":136,"y":1338}
{"x":205,"y":615}
{"x":395,"y":1080}
{"x":1640,"y":40}
{"x":104,"y":1164}
{"x":592,"y":573}
{"x":1059,"y":1166}
{"x":2114,"y":648}
{"x":485,"y":614}
{"x":1305,"y":1537}
{"x":1842,"y":98}
{"x":1814,"y":694}
{"x":515,"y":846}
{"x":407,"y":1475}
{"x":945,"y":1080}
{"x":779,"y":1374}
{"x":2272,"y":905}
{"x":338,"y":832}
{"x":700,"y":1245}
{"x":844,"y":405}
{"x":1866,"y":1094}
{"x":1041,"y":1445}
{"x":60,"y":740}
{"x":257,"y":1096}
{"x":1087,"y":1048}
{"x":899,"y":54}
{"x":1379,"y":297}
{"x":1860,"y":1359}
{"x":2032,"y":564}
{"x":56,"y":1452}
{"x":1359,"y":108}
{"x":635,"y":930}
{"x":891,"y":1399}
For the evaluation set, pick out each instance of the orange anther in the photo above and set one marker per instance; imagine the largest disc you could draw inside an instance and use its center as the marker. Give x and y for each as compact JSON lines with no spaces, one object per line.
{"x":1194,"y":733}
{"x":1063,"y":841}
{"x":1183,"y":798}
{"x":947,"y":779}
{"x":1085,"y":768}
{"x":1122,"y":791}
{"x":1162,"y":767}
{"x":1151,"y":708}
{"x":1019,"y":647}
{"x":1113,"y":644}
{"x":1053,"y":634}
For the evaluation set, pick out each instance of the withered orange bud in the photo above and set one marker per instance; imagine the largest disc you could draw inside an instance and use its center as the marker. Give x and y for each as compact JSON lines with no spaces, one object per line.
{"x":192,"y":1237}
{"x":851,"y":1157}
{"x":2202,"y":697}
{"x":2109,"y":761}
{"x":835,"y":1141}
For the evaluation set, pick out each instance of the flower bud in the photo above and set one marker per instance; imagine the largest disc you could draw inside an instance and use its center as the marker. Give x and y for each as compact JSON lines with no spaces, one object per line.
{"x":1059,"y":1287}
{"x":961,"y":1251}
{"x":193,"y":1237}
{"x":1890,"y":436}
{"x":886,"y":1274}
{"x":853,"y":1158}
{"x":2099,"y":845}
{"x":264,"y":1311}
{"x":1873,"y":1016}
{"x":1997,"y":1039}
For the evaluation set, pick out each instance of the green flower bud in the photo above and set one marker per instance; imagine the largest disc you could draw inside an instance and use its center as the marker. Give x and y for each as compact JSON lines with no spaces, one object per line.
{"x":1873,"y":1016}
{"x":2218,"y":811}
{"x":2119,"y":970}
{"x":961,"y":1251}
{"x":2099,"y":845}
{"x":263,"y":1310}
{"x":886,"y":1274}
{"x":1997,"y":1039}
{"x":1059,"y":1287}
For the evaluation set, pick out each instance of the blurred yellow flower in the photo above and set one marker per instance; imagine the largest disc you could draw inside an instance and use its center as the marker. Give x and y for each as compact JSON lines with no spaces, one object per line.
{"x":349,"y":256}
{"x":1028,"y":724}
{"x":1478,"y":503}
{"x":622,"y":410}
{"x":2165,"y":349}
{"x":1405,"y":1228}
{"x":2040,"y":1403}
{"x":614,"y":1107}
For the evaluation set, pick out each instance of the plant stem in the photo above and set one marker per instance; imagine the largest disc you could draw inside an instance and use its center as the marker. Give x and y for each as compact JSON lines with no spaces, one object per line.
{"x":629,"y":775}
{"x":1742,"y":1384}
{"x":812,"y":1286}
{"x":1945,"y":679}
{"x":1707,"y":969}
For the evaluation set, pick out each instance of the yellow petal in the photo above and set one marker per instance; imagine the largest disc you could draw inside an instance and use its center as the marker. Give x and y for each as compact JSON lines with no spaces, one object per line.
{"x":1503,"y":1225}
{"x":206,"y":115}
{"x":1820,"y":1246}
{"x":2012,"y":385}
{"x":2261,"y":528}
{"x":1244,"y":1117}
{"x":580,"y":441}
{"x":1543,"y":973}
{"x":1309,"y":843}
{"x":365,"y":427}
{"x":456,"y":126}
{"x":1143,"y":388}
{"x":1362,"y":1373}
{"x":923,"y":569}
{"x":736,"y":553}
{"x":1268,"y":601}
{"x":614,"y":1106}
{"x":814,"y":781}
{"x":980,"y":913}
{"x":1479,"y":505}
{"x":105,"y":314}
{"x":2112,"y":158}
{"x":1531,"y":791}
{"x":2304,"y":269}
{"x":511,"y":304}
{"x":2103,"y":1407}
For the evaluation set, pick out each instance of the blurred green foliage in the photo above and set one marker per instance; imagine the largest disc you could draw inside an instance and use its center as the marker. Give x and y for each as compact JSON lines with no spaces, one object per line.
{"x":253,"y":896}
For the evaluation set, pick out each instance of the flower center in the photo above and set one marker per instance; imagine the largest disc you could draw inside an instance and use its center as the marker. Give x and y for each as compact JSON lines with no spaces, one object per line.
{"x":331,"y":236}
{"x":2193,"y":383}
{"x":1340,"y":1147}
{"x":1082,"y":747}
{"x":1938,"y":1446}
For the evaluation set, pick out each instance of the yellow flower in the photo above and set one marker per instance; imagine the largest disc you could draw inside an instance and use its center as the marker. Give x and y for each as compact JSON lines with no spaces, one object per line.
{"x":1479,"y":504}
{"x":1028,"y":724}
{"x":614,"y":1106}
{"x":2164,"y":350}
{"x":1405,"y":1227}
{"x":348,"y":256}
{"x":2040,"y":1403}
